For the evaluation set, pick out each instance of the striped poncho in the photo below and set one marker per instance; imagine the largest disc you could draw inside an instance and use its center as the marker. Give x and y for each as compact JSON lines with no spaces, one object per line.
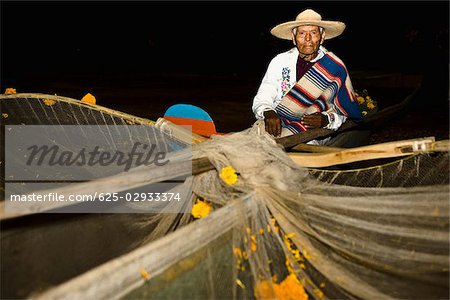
{"x":326,"y":85}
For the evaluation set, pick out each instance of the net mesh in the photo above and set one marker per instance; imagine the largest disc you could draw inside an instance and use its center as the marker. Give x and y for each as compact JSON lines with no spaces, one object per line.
{"x":280,"y":233}
{"x":286,"y":232}
{"x":414,"y":170}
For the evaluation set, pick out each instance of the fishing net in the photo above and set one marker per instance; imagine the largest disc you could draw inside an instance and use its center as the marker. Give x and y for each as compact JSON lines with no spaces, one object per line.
{"x":286,"y":232}
{"x":42,"y":250}
{"x":414,"y":170}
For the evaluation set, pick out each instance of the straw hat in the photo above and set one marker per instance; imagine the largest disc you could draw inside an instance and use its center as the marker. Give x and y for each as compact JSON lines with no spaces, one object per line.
{"x":308,"y":17}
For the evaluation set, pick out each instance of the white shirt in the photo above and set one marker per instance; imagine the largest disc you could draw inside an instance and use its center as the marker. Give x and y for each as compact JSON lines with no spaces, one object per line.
{"x":278,"y":80}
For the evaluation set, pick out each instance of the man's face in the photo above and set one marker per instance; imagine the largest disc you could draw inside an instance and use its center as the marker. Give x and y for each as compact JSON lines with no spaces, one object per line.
{"x":308,"y":39}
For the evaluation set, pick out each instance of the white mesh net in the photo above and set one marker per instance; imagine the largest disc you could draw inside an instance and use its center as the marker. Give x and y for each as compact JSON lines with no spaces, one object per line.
{"x":287,"y":232}
{"x":278,"y":232}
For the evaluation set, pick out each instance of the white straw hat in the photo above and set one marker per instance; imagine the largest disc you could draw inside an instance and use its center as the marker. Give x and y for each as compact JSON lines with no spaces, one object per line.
{"x":308,"y":17}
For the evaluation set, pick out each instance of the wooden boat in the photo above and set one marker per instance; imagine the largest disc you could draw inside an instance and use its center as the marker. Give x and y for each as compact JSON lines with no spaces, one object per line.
{"x":43,"y":250}
{"x":39,"y":251}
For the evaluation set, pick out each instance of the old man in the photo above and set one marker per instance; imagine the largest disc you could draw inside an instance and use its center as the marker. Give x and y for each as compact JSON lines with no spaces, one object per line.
{"x":307,"y":86}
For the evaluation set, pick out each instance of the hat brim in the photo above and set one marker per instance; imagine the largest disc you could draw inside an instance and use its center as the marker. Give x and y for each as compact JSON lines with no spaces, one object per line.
{"x":332,"y":28}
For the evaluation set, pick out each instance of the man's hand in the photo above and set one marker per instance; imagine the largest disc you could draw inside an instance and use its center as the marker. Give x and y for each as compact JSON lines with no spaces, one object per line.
{"x":272,"y":122}
{"x":315,"y":120}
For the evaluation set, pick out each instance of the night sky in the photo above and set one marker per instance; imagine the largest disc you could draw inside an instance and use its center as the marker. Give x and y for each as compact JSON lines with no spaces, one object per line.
{"x":57,"y":38}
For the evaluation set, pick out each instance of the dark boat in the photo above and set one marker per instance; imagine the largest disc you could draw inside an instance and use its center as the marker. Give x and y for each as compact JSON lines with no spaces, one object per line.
{"x":41,"y":251}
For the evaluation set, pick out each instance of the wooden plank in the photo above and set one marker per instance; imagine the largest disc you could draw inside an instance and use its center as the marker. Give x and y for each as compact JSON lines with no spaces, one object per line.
{"x":315,"y":148}
{"x":179,"y":132}
{"x":384,"y":150}
{"x":442,"y":146}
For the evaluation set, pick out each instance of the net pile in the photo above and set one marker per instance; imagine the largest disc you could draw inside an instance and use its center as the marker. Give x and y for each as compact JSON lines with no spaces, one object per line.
{"x":278,"y":232}
{"x":39,"y":251}
{"x":286,"y":232}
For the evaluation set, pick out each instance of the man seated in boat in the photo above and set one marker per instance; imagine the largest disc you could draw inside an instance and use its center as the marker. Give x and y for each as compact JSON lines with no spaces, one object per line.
{"x":307,"y":86}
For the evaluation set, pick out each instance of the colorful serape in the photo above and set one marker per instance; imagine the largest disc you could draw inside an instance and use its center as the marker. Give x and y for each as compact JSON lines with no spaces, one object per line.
{"x":325,"y":85}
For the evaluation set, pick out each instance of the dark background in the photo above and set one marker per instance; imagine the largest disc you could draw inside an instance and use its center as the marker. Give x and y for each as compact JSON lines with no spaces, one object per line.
{"x":209,"y":37}
{"x":154,"y":54}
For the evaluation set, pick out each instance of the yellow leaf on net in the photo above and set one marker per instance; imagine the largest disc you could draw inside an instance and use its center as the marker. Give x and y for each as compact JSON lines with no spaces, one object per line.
{"x":49,"y":102}
{"x":88,"y":98}
{"x":264,"y":290}
{"x":289,"y":289}
{"x":239,"y":283}
{"x":228,"y":175}
{"x":297,"y":255}
{"x":144,"y":274}
{"x":10,"y":91}
{"x":201,"y":209}
{"x":289,"y":266}
{"x":360,"y":99}
{"x":254,"y":246}
{"x":364,"y":112}
{"x":370,"y":105}
{"x":290,"y":235}
{"x":275,"y":225}
{"x":288,"y":245}
{"x":5,"y":115}
{"x":318,"y":293}
{"x":237,"y":252}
